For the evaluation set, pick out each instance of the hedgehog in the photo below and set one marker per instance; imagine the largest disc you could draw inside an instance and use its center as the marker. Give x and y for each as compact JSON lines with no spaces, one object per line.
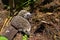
{"x":21,"y":23}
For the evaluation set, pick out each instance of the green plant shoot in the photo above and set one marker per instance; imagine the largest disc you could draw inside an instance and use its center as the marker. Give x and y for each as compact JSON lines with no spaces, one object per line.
{"x":3,"y":38}
{"x":25,"y":37}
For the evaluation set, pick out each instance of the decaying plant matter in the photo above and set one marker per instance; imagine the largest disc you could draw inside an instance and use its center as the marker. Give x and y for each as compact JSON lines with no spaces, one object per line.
{"x":44,"y":19}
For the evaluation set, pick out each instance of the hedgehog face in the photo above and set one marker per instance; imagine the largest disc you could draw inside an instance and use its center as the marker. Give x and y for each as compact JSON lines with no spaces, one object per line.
{"x":27,"y":31}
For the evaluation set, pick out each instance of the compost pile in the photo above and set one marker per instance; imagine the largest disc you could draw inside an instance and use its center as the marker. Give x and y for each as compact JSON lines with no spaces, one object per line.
{"x":45,"y":21}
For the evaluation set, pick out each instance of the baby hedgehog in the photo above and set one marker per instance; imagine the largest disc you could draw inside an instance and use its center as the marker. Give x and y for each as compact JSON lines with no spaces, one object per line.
{"x":20,"y":23}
